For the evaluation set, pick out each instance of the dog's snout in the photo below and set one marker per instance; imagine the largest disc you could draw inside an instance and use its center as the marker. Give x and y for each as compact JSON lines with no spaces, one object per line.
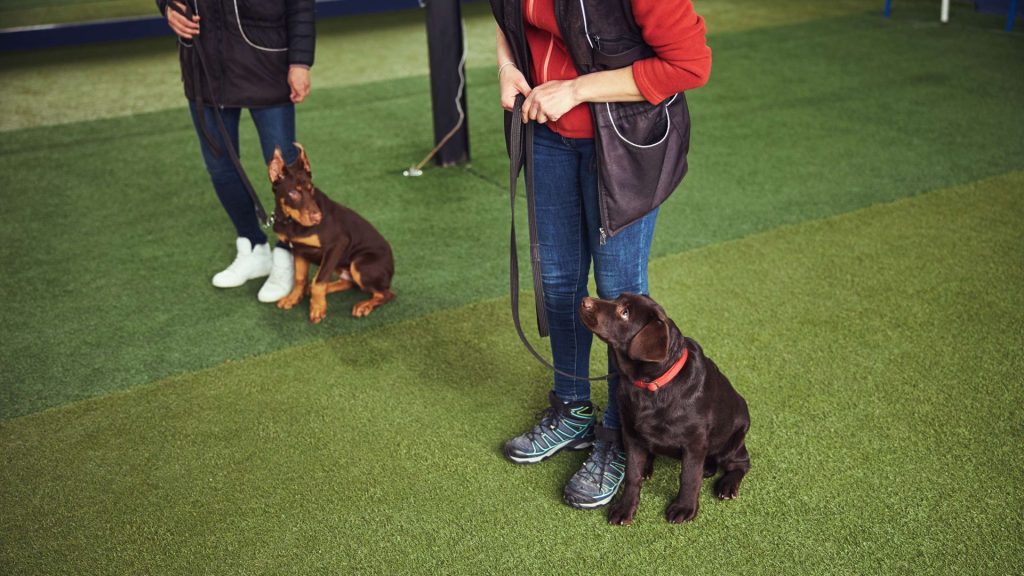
{"x":587,"y":303}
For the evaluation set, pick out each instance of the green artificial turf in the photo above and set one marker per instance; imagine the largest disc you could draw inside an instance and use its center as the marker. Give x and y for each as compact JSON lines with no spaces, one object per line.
{"x":127,"y":78}
{"x":879,"y":352}
{"x":150,"y":424}
{"x":748,"y":13}
{"x":113,"y":232}
{"x":16,"y":13}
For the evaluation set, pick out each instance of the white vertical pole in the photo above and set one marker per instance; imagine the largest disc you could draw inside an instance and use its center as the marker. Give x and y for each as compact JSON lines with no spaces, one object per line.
{"x":945,"y":12}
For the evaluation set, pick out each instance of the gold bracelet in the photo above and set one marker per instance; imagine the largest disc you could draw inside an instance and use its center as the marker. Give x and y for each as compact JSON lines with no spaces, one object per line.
{"x":502,"y":67}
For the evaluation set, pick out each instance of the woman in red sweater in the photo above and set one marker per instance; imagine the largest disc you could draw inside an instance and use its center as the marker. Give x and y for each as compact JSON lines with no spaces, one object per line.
{"x":569,"y":58}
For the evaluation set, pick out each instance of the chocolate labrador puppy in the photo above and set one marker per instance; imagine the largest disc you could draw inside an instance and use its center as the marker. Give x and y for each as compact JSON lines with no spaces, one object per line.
{"x":673,"y":401}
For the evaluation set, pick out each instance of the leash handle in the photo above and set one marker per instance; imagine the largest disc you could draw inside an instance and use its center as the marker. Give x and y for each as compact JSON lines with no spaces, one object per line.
{"x":517,"y":148}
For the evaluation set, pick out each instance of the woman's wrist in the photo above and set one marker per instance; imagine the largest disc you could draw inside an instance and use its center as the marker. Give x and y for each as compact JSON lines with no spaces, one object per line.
{"x":505,"y":65}
{"x":578,"y":90}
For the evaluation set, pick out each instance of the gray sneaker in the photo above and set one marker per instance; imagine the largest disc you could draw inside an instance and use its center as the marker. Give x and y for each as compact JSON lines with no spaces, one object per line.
{"x":596,"y":483}
{"x":562,"y":427}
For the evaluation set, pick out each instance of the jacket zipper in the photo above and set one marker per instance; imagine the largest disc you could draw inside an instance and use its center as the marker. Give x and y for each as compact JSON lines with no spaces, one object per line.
{"x":602,"y":230}
{"x":523,"y":47}
{"x":220,"y":46}
{"x":595,"y":43}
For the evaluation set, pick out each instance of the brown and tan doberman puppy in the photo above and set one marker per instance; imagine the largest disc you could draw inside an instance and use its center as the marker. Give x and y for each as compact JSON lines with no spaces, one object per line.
{"x":323,"y":232}
{"x":673,"y":401}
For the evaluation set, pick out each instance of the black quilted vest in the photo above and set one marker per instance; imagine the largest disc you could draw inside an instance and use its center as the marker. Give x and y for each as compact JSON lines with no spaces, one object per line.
{"x":641,"y":148}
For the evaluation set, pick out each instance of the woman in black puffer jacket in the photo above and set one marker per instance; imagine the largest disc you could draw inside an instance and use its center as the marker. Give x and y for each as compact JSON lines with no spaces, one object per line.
{"x":257,"y":54}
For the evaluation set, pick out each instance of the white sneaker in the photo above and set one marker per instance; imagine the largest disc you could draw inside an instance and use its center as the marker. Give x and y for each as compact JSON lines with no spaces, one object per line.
{"x":249,"y":263}
{"x":282,"y":277}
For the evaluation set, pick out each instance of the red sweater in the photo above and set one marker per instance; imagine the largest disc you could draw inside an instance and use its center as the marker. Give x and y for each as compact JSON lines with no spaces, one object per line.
{"x":670,"y":27}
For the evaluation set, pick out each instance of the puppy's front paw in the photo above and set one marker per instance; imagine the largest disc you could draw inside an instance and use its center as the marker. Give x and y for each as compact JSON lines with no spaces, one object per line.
{"x":622,"y":514}
{"x":317,"y":311}
{"x":679,"y":512}
{"x":293,"y":298}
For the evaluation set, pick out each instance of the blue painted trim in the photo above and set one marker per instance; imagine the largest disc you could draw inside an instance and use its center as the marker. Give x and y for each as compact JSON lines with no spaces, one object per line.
{"x":980,"y":6}
{"x":1008,"y":7}
{"x":53,"y":35}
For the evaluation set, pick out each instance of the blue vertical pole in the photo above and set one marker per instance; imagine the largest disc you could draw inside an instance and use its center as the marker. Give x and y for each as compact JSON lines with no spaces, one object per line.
{"x":1011,"y":15}
{"x":888,"y":8}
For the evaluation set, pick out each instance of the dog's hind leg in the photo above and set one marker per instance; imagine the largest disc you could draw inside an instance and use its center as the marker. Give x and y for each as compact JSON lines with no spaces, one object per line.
{"x":735,"y":465}
{"x":649,"y":468}
{"x":366,"y":306}
{"x":344,"y":282}
{"x":376,"y":283}
{"x":339,"y":285}
{"x":710,"y":466}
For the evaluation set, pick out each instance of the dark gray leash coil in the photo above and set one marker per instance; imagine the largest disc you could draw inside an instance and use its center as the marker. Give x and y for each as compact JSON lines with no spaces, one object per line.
{"x":517,"y":149}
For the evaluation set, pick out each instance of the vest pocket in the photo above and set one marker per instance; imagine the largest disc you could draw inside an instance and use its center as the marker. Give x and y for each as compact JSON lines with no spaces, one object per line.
{"x":642,"y":156}
{"x":637,"y":124}
{"x":264,"y":36}
{"x":615,"y":53}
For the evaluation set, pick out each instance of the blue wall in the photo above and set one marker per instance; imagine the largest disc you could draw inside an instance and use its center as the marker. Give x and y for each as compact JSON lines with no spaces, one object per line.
{"x":49,"y":36}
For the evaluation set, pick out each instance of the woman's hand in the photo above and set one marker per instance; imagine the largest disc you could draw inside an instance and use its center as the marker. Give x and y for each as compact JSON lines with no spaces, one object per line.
{"x":182,"y":26}
{"x":550,"y":100}
{"x":298,"y":80}
{"x":512,"y":83}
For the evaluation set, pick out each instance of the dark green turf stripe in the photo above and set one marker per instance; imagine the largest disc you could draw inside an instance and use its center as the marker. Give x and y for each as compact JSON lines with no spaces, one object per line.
{"x":112,"y":232}
{"x":127,"y":78}
{"x":879,"y":352}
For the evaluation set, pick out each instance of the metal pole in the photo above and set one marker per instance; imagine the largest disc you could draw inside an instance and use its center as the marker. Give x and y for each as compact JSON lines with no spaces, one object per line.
{"x":445,"y":44}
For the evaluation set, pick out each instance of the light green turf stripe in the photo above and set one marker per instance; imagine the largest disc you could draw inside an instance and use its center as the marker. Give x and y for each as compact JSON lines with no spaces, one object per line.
{"x":735,"y":13}
{"x":116,"y":80}
{"x":879,"y":352}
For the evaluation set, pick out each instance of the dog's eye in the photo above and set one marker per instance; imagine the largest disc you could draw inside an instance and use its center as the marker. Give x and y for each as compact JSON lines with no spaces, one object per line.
{"x":624,"y":312}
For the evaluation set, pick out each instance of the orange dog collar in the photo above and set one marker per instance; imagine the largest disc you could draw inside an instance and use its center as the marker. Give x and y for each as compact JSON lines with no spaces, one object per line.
{"x":665,"y":378}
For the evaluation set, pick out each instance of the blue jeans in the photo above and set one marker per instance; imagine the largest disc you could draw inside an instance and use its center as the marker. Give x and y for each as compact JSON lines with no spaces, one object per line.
{"x":276,"y":127}
{"x":568,"y":228}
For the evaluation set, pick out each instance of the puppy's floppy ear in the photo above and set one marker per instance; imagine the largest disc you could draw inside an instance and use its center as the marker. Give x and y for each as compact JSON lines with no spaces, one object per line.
{"x":276,"y":167}
{"x":651,"y":343}
{"x":304,"y":158}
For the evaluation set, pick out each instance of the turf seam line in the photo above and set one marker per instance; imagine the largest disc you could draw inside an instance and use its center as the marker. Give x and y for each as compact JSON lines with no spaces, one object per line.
{"x":369,"y":332}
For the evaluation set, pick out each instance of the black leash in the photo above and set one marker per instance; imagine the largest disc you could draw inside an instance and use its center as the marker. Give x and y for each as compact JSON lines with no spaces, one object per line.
{"x":197,"y":49}
{"x":516,"y":151}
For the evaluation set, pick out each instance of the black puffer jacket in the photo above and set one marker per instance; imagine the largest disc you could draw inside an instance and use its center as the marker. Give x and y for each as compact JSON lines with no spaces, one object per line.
{"x":248,"y":46}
